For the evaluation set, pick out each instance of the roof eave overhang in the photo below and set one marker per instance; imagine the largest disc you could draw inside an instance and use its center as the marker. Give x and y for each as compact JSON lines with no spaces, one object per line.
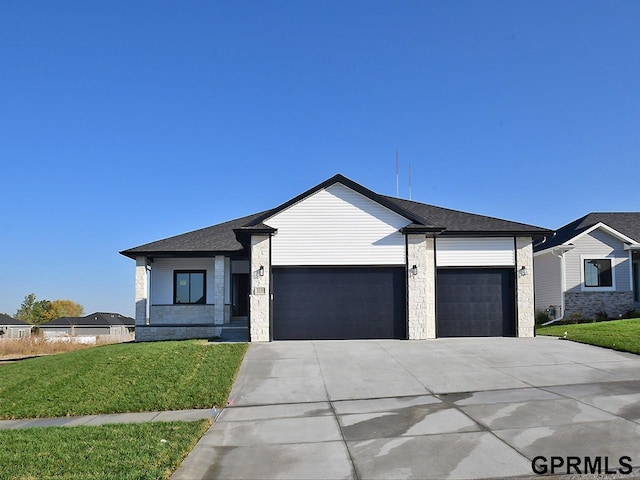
{"x":556,"y":250}
{"x":182,"y":254}
{"x":244,"y":234}
{"x":414,"y":228}
{"x":633,"y":247}
{"x":495,"y":233}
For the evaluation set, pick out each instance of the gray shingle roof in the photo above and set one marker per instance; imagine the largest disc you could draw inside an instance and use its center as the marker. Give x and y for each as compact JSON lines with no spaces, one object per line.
{"x":221,"y":238}
{"x":217,"y":238}
{"x":627,"y":223}
{"x":455,"y":221}
{"x":97,"y":319}
{"x":7,"y":320}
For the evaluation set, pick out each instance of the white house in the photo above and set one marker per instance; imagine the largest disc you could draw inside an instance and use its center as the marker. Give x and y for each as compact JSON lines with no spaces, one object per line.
{"x":340,"y":262}
{"x":12,"y":328}
{"x":590,"y":267}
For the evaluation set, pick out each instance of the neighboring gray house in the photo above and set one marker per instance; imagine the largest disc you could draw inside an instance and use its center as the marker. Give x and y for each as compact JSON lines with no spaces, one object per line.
{"x":99,"y":323}
{"x":340,"y":262}
{"x":12,"y":328}
{"x":590,"y":267}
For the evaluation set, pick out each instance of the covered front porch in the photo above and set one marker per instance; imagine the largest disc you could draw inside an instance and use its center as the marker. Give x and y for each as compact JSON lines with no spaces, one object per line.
{"x":181,"y":297}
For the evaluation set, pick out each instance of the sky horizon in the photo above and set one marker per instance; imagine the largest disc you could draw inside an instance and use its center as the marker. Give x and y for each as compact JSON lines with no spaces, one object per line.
{"x":127,"y":122}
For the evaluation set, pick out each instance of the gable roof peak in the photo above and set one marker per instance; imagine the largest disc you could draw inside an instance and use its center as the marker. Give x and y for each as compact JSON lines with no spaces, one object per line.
{"x":356,"y":187}
{"x":625,"y":225}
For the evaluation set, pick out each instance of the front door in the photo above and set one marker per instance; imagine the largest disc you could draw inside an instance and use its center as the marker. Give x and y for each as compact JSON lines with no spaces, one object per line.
{"x":240,"y":294}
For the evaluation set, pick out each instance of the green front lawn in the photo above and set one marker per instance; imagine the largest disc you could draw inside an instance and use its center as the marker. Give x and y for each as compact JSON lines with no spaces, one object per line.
{"x":132,"y":451}
{"x":623,"y":335}
{"x":133,"y":377}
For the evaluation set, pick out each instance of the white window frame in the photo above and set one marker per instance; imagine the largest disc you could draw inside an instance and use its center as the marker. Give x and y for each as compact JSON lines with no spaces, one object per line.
{"x":584,"y":288}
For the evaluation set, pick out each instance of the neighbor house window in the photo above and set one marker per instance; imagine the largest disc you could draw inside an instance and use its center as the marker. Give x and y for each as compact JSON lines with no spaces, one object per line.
{"x":597,"y":273}
{"x":189,"y":286}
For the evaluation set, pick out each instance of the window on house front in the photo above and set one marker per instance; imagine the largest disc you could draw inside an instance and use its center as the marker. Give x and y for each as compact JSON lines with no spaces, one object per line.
{"x":597,"y":273}
{"x":189,"y":286}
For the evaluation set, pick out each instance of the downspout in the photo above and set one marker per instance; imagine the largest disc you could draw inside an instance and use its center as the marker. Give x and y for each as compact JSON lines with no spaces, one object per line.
{"x":559,"y":252}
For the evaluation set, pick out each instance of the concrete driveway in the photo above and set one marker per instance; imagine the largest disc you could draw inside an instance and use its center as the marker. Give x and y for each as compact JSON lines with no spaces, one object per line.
{"x":448,"y":408}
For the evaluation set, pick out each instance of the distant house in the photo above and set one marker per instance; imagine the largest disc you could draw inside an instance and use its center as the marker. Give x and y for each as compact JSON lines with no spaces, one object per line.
{"x":99,"y":323}
{"x":12,"y":328}
{"x":590,"y":267}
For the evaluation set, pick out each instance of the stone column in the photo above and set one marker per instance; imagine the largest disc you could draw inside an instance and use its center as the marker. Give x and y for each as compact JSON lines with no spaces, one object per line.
{"x":260,"y":297}
{"x":218,"y":289}
{"x":227,"y":290}
{"x":431,"y":287}
{"x":141,"y":291}
{"x":524,"y":287}
{"x":421,"y":287}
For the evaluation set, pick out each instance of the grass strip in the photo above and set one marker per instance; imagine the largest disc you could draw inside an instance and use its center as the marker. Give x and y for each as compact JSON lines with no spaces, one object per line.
{"x":138,"y":451}
{"x":622,"y":335}
{"x":132,"y":377}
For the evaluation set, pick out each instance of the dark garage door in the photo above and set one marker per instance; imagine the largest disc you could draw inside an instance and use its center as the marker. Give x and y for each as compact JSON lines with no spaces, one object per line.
{"x":338,"y":303}
{"x":475,"y":302}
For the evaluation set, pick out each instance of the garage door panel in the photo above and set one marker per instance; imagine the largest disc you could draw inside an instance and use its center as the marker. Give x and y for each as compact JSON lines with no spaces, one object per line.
{"x":339,"y":303}
{"x":475,"y":302}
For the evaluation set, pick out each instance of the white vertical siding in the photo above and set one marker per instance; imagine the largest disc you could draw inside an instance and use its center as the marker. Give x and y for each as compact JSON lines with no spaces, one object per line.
{"x":162,"y":277}
{"x":598,"y":244}
{"x":475,"y":252}
{"x":547,"y":273}
{"x":337,"y":226}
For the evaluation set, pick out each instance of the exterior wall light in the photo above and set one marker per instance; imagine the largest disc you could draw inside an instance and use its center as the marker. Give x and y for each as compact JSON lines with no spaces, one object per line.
{"x":523,"y":271}
{"x":261,"y":271}
{"x":414,"y":270}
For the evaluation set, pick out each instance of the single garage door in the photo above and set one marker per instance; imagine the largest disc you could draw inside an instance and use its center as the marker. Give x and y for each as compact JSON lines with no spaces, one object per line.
{"x":339,"y":303}
{"x":475,"y":302}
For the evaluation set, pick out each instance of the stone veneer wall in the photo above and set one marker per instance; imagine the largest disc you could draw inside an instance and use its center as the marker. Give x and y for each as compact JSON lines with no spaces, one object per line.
{"x":524,"y":287}
{"x":179,"y":322}
{"x":587,"y":304}
{"x":182,"y":314}
{"x":421,"y":287}
{"x":154,"y":333}
{"x":259,"y":299}
{"x":141,"y":291}
{"x":219,"y":286}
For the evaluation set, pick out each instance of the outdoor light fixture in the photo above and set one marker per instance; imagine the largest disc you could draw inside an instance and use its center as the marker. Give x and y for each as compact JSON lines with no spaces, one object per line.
{"x":523,"y":271}
{"x":261,"y":271}
{"x":414,"y":270}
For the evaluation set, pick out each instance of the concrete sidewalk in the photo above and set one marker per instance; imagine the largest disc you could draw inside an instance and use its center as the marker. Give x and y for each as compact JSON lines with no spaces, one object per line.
{"x":104,"y":419}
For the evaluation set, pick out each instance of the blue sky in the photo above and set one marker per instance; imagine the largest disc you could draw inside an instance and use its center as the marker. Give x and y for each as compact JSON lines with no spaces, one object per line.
{"x":125,"y":122}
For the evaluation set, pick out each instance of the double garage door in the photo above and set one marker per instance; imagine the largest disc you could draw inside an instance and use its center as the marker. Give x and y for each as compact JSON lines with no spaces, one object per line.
{"x":330,"y":303}
{"x":370,"y":302}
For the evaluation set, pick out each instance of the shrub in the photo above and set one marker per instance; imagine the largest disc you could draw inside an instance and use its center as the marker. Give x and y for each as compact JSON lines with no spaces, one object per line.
{"x":632,"y":313}
{"x":541,"y":317}
{"x":601,"y":316}
{"x":576,"y":317}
